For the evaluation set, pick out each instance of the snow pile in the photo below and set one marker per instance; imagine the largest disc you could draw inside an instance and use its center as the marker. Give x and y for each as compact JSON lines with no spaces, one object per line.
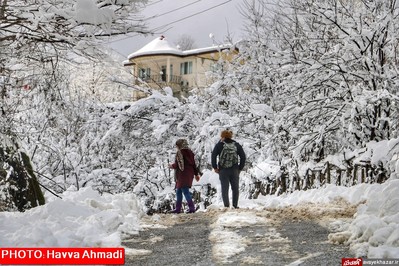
{"x":79,"y":219}
{"x":374,"y":232}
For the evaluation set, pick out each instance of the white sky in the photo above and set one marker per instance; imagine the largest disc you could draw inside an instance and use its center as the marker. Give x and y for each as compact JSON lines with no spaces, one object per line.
{"x":223,"y":17}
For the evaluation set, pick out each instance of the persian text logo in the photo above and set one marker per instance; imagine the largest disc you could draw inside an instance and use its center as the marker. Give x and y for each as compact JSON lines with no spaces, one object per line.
{"x":352,"y":261}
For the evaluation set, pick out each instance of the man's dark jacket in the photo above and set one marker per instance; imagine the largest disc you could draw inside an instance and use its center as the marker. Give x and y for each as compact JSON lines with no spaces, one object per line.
{"x":218,"y":149}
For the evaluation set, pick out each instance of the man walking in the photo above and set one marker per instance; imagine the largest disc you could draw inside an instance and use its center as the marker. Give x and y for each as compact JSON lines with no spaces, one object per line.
{"x":228,"y":166}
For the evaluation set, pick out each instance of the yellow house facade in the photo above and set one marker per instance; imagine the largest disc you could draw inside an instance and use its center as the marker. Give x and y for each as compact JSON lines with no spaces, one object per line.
{"x":159,"y":64}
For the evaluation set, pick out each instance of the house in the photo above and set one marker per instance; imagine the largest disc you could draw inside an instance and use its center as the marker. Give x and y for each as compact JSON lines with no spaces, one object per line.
{"x":160,"y":64}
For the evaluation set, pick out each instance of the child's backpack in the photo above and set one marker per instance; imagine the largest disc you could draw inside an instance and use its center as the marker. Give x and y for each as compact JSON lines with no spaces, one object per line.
{"x":228,"y":156}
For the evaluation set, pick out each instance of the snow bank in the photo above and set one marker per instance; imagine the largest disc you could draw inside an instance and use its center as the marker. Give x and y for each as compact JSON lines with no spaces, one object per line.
{"x":82,"y":218}
{"x":375,"y":229}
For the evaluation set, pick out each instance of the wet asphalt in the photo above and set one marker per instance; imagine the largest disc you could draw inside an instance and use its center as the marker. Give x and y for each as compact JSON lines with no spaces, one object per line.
{"x":292,"y":242}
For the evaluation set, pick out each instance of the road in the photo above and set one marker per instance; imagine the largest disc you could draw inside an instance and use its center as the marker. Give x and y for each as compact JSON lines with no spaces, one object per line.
{"x":289,"y":237}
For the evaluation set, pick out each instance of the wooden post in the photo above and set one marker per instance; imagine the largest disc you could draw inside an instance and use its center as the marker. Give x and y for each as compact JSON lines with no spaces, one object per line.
{"x":363,"y":174}
{"x":339,"y":176}
{"x":283,"y":183}
{"x":268,"y":189}
{"x":354,"y":179}
{"x":297,"y":181}
{"x":312,"y":177}
{"x":328,"y":173}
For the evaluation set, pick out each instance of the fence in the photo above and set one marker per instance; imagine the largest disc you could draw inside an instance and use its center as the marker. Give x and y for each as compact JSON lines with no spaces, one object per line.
{"x":363,"y":172}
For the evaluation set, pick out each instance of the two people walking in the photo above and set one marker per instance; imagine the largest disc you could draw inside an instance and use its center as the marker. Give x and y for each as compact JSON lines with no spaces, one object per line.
{"x":228,"y":159}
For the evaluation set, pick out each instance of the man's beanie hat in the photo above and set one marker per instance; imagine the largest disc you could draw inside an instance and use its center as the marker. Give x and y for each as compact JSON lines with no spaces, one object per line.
{"x":227,"y":134}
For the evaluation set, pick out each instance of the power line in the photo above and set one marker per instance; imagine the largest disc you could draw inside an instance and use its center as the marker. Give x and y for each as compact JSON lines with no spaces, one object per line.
{"x":168,"y":24}
{"x":192,"y":15}
{"x":171,"y":11}
{"x":135,"y":35}
{"x":156,"y":2}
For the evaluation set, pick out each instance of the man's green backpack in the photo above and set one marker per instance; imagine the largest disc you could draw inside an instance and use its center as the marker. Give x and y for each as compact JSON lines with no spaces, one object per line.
{"x":228,"y":156}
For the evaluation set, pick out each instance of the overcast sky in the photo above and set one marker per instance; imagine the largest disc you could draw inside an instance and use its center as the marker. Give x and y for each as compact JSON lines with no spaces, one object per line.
{"x":196,"y":18}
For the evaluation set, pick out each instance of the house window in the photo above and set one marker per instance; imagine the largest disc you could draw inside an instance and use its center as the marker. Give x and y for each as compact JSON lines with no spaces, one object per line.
{"x":186,"y":68}
{"x":170,"y":73}
{"x":163,"y":73}
{"x":144,"y":73}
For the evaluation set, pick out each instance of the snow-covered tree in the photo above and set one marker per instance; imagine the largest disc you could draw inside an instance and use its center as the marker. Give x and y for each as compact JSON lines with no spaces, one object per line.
{"x":325,"y":69}
{"x":39,"y":41}
{"x":38,"y":37}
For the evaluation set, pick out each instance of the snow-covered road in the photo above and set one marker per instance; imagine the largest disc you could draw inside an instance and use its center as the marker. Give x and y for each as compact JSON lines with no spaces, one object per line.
{"x":289,"y":236}
{"x":299,"y":226}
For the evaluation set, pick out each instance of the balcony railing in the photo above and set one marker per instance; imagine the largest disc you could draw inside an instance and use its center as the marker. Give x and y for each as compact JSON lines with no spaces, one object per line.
{"x":163,"y":79}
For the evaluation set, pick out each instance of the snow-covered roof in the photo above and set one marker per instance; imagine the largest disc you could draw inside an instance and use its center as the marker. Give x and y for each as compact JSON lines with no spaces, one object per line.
{"x":161,"y":46}
{"x":206,"y":49}
{"x":158,"y":46}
